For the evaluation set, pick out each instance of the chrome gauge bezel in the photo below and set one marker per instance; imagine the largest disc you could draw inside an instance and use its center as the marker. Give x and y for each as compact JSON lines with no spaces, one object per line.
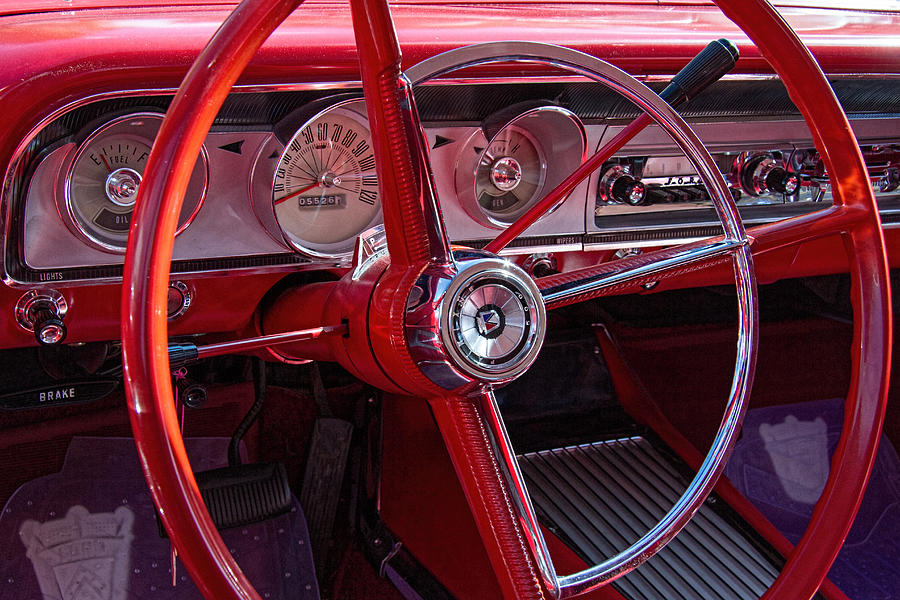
{"x":198,"y":185}
{"x":560,"y":140}
{"x":264,"y":180}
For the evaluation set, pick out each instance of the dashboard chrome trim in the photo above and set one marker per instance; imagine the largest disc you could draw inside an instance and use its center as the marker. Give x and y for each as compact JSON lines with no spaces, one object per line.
{"x":583,"y":235}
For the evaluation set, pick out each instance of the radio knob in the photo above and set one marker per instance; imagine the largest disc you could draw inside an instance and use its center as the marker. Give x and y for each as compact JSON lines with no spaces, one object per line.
{"x":890,"y":180}
{"x":761,"y":174}
{"x":618,"y":186}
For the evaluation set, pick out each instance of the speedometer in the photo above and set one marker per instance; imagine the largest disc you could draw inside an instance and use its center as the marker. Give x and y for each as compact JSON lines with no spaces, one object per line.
{"x":325,"y":191}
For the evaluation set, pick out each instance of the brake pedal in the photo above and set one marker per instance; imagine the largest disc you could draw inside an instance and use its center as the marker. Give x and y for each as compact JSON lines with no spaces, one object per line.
{"x":245,"y":494}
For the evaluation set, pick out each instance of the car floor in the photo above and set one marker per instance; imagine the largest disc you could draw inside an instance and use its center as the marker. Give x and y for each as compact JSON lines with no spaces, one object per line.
{"x":678,"y":345}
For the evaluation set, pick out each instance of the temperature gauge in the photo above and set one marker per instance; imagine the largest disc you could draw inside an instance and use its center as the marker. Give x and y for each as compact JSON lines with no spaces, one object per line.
{"x":103,"y":180}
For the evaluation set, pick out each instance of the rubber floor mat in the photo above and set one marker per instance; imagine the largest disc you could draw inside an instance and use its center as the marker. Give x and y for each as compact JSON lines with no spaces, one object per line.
{"x":89,"y":533}
{"x":781,"y":464}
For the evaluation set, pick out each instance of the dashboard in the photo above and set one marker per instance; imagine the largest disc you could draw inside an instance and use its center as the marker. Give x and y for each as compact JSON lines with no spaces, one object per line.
{"x":288,"y":178}
{"x":285,"y":183}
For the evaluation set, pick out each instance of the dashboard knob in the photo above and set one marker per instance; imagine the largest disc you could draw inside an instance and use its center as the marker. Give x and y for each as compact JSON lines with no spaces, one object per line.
{"x":540,"y":265}
{"x":618,"y":186}
{"x":762,"y":174}
{"x":49,"y":329}
{"x":42,"y":312}
{"x":890,"y":180}
{"x":179,"y":299}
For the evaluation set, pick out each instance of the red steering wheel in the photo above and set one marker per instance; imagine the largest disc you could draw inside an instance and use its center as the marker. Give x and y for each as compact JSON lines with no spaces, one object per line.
{"x":416,"y":241}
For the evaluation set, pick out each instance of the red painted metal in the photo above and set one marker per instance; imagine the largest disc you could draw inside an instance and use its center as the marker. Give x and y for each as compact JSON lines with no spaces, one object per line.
{"x":417,"y":481}
{"x":93,"y":51}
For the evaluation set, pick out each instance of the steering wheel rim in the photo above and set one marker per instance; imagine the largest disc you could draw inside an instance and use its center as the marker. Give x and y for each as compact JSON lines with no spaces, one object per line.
{"x":149,"y":251}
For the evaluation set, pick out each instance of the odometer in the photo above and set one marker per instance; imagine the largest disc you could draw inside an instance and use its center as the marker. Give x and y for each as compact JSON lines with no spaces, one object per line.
{"x":325,"y":191}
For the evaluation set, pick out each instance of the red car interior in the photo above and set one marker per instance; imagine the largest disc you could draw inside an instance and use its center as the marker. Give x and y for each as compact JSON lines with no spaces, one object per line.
{"x":472,"y":300}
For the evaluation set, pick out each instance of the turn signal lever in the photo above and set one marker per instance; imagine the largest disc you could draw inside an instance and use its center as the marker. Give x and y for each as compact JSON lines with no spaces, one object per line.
{"x":186,"y":353}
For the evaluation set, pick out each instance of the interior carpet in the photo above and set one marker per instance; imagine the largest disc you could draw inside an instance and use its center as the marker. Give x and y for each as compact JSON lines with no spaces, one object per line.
{"x":89,"y":533}
{"x":601,"y":497}
{"x":781,"y":464}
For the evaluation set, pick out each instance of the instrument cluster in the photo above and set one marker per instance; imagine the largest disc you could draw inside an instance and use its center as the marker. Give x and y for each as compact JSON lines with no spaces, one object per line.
{"x":287,"y":180}
{"x":298,"y":191}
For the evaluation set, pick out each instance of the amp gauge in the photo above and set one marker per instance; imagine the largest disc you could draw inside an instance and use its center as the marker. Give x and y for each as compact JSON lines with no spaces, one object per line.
{"x":514,"y":158}
{"x":105,"y":174}
{"x":510,"y":173}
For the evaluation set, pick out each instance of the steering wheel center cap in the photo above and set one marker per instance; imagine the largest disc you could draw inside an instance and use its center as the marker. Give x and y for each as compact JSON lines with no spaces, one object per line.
{"x":492,"y":320}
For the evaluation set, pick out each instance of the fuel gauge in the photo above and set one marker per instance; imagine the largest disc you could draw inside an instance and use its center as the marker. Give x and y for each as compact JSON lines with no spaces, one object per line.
{"x":104,"y":177}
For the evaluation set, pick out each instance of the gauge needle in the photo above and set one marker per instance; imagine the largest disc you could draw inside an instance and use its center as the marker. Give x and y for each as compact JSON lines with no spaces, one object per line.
{"x":297,"y":193}
{"x":108,"y":168}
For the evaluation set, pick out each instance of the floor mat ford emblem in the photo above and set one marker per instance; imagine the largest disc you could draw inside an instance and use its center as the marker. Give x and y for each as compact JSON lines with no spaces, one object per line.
{"x":82,"y":556}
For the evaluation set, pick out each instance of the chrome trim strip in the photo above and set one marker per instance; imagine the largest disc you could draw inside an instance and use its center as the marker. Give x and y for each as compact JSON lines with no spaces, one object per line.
{"x":511,"y":472}
{"x":684,"y":258}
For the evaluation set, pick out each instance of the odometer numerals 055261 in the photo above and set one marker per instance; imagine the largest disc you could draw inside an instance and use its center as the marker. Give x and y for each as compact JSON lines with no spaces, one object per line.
{"x":325,"y":191}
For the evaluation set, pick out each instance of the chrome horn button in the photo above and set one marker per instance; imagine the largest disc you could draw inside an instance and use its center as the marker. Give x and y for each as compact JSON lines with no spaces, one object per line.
{"x":492,"y":320}
{"x":479,"y":319}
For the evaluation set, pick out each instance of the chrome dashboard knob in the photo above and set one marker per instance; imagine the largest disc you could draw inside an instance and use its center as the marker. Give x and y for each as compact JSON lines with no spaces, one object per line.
{"x":890,"y":180}
{"x":762,"y":174}
{"x":618,"y":186}
{"x":42,"y":312}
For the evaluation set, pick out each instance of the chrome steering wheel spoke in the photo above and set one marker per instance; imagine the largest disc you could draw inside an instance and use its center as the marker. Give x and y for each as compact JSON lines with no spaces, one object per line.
{"x":629,"y":274}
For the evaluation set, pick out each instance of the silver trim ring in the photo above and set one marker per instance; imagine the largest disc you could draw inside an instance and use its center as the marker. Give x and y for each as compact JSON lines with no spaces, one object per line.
{"x":492,"y":320}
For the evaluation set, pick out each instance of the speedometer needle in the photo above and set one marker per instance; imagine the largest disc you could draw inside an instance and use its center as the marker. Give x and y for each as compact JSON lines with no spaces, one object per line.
{"x":297,"y":193}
